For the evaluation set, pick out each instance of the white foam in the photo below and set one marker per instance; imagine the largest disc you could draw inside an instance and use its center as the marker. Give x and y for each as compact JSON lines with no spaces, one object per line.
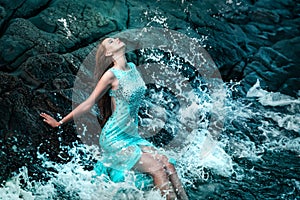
{"x":270,"y":98}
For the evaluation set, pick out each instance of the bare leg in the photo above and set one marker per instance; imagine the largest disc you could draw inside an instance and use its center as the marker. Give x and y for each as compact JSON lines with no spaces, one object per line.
{"x":178,"y":186}
{"x":150,"y":165}
{"x":173,"y":177}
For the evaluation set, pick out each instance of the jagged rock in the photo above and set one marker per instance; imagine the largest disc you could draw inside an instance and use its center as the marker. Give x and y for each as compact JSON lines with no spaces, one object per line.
{"x":44,"y":43}
{"x":290,"y":48}
{"x":264,"y":16}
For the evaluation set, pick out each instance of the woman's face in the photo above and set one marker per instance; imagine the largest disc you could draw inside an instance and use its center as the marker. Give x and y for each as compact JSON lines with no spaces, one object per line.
{"x":113,"y":45}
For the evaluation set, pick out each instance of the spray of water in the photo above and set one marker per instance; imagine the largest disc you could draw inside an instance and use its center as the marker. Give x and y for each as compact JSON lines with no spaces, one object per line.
{"x":186,"y":100}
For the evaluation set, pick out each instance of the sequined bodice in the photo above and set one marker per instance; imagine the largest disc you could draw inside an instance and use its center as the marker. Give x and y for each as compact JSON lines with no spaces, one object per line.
{"x":131,"y":88}
{"x":128,"y":96}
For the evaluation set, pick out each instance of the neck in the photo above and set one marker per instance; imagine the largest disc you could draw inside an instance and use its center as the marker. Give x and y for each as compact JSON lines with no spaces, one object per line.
{"x":120,"y":62}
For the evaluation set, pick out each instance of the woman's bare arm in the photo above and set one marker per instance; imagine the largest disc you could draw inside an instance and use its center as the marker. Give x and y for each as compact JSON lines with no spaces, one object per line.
{"x":104,"y":84}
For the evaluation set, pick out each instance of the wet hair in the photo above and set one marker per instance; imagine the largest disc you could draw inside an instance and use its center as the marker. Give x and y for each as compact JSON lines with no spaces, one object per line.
{"x":103,"y":63}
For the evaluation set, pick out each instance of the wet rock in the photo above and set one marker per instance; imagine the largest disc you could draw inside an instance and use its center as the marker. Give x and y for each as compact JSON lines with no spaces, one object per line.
{"x":43,"y":68}
{"x":264,"y":16}
{"x":267,"y":65}
{"x":290,"y":48}
{"x":2,"y":15}
{"x":44,"y":43}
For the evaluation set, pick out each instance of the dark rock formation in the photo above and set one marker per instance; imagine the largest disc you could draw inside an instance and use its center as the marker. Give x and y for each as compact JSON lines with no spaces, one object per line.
{"x":44,"y":42}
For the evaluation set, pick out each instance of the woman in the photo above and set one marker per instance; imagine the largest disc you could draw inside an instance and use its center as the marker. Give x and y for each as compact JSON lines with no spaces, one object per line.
{"x":118,"y":93}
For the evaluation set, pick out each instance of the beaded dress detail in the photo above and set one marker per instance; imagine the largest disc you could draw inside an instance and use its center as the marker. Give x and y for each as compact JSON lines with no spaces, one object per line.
{"x":119,"y":139}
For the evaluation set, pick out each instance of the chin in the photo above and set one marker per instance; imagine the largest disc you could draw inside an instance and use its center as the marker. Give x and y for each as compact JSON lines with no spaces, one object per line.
{"x":122,"y":46}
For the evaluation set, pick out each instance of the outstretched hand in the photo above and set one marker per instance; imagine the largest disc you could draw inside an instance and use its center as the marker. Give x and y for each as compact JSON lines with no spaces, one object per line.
{"x":50,"y":120}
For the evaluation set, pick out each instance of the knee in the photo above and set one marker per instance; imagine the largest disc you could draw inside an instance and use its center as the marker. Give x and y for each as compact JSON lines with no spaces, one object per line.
{"x":157,"y":169}
{"x":164,"y":159}
{"x":169,"y":166}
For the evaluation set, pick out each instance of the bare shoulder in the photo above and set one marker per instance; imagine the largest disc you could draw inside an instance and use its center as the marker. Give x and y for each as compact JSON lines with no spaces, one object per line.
{"x":108,"y":75}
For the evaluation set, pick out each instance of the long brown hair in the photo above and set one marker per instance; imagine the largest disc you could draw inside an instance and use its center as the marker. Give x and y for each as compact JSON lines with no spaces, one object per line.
{"x":103,"y":63}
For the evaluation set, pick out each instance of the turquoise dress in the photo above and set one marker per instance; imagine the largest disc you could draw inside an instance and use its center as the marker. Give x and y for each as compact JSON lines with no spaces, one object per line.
{"x":120,"y":139}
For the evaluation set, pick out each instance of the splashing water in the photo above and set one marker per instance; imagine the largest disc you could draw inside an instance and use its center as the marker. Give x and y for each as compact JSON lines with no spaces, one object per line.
{"x":72,"y":180}
{"x":243,"y":161}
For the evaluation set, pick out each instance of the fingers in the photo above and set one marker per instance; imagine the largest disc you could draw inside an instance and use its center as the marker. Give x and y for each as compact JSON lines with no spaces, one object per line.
{"x":49,"y":120}
{"x":46,"y":117}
